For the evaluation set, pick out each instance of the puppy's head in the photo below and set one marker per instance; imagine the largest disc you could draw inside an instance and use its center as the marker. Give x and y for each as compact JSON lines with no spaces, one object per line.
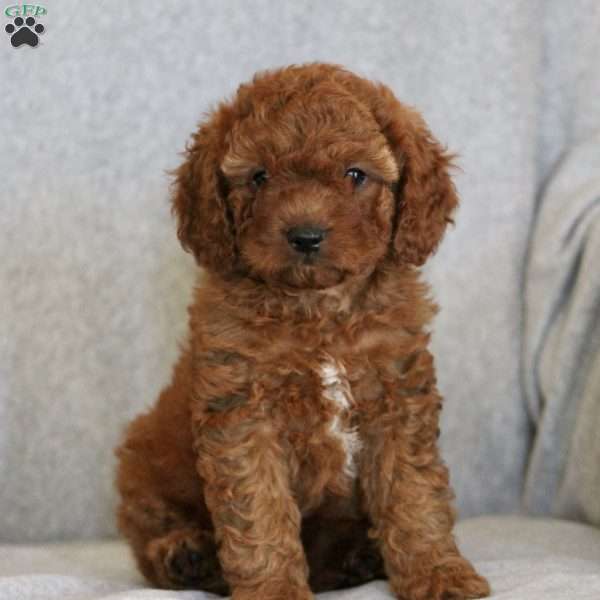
{"x":311,"y":176}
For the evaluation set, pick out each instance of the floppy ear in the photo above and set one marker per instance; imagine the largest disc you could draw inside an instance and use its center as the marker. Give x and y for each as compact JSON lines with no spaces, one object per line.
{"x":204,"y":226}
{"x":425,"y":195}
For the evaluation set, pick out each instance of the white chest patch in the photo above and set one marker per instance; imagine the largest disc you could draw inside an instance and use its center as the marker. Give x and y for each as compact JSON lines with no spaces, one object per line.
{"x":337,"y":390}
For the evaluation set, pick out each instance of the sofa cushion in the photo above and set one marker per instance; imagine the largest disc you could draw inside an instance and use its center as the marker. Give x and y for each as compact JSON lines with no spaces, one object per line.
{"x":524,"y":559}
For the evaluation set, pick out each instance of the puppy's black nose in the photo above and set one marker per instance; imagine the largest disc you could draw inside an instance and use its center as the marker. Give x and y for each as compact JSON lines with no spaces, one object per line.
{"x":305,"y":239}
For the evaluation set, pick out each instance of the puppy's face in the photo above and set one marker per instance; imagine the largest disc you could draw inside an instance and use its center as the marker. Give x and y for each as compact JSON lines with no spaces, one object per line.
{"x":309,"y":177}
{"x":309,"y":188}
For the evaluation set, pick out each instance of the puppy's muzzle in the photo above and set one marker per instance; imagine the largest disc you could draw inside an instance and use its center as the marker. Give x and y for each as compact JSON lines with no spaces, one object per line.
{"x":306,"y":240}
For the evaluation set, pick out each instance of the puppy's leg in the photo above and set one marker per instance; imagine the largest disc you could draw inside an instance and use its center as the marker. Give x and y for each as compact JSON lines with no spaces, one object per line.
{"x":409,"y":500}
{"x":256,"y":520}
{"x":162,"y":512}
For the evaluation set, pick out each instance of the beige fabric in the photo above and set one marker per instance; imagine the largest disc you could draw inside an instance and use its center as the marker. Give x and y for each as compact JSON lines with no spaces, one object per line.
{"x":524,"y":559}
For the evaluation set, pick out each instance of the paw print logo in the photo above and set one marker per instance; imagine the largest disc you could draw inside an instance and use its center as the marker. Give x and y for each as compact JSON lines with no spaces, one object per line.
{"x":24,"y":32}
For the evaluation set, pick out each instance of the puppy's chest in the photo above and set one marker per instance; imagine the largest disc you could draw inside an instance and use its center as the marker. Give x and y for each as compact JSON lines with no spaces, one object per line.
{"x":319,"y":416}
{"x":342,"y":425}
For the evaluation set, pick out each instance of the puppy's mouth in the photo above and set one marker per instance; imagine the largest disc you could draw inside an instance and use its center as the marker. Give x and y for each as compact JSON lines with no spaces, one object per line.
{"x":282,"y":264}
{"x":307,"y":273}
{"x":308,"y":260}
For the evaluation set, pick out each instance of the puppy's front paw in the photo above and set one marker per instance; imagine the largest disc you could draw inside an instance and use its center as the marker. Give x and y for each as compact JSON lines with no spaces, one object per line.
{"x":453,"y":579}
{"x":273,"y":591}
{"x":456,"y":579}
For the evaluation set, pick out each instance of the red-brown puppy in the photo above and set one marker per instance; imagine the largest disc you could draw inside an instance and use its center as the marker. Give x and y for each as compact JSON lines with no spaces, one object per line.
{"x":296,"y":445}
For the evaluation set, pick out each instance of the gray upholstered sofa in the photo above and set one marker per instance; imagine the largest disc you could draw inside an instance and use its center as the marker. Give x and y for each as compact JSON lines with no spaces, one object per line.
{"x":93,"y":286}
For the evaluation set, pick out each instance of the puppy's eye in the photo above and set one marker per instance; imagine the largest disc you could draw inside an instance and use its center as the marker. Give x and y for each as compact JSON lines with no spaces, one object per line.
{"x":259,"y":178}
{"x":357,"y":176}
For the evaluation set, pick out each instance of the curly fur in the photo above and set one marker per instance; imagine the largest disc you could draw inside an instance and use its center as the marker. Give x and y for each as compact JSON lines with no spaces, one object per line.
{"x":296,"y":446}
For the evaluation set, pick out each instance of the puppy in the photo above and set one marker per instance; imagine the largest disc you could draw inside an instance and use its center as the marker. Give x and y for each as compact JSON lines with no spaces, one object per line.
{"x":296,"y":446}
